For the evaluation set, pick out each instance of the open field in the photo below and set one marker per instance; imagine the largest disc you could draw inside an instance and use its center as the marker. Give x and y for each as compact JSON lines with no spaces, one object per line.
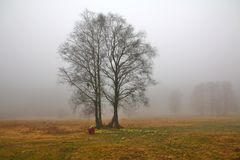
{"x":156,"y":139}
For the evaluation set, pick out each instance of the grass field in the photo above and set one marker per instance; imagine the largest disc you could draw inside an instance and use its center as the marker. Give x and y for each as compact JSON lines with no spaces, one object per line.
{"x":153,"y":139}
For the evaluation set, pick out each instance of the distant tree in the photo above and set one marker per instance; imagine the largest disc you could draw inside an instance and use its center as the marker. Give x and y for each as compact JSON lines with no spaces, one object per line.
{"x":127,"y":67}
{"x":82,"y":51}
{"x":211,"y":97}
{"x":229,"y":100}
{"x":175,"y":101}
{"x":197,"y":99}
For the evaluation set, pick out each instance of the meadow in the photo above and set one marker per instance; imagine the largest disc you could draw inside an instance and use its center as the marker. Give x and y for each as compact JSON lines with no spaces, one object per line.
{"x":141,"y":139}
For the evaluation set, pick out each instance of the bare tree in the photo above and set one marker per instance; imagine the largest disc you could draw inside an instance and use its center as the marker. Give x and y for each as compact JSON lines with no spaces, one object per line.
{"x":107,"y":56}
{"x":82,"y":51}
{"x":175,"y":101}
{"x":127,"y":66}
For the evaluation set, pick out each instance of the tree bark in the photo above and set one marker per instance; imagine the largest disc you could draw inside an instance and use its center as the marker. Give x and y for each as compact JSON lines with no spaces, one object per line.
{"x":99,"y":114}
{"x":115,"y":117}
{"x":99,"y":90}
{"x":115,"y":123}
{"x":96,"y":116}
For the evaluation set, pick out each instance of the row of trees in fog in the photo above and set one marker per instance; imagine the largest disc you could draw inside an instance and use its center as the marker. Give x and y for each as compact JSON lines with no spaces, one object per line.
{"x":108,"y":62}
{"x":215,"y":98}
{"x":209,"y":98}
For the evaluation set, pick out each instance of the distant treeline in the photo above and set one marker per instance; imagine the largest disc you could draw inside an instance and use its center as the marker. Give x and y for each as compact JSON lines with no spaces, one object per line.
{"x":208,"y":98}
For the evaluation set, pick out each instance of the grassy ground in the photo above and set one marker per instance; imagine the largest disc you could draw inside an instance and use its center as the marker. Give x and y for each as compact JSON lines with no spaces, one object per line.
{"x":156,"y":139}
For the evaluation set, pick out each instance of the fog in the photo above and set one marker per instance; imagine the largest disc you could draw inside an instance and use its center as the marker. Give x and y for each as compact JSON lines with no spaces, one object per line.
{"x":196,"y":42}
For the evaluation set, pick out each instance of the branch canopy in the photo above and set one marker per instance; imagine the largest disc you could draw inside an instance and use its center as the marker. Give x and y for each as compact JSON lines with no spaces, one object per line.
{"x":107,"y":59}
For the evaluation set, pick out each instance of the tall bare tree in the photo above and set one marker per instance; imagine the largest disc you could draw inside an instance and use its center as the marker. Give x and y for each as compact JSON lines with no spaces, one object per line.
{"x":82,"y":51}
{"x":107,"y":56}
{"x":127,"y":67}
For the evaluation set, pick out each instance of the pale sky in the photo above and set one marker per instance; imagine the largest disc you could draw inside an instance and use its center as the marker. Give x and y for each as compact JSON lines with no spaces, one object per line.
{"x":196,"y":41}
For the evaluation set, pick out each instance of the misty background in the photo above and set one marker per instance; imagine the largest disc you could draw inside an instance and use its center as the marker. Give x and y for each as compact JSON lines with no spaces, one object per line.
{"x":196,"y":41}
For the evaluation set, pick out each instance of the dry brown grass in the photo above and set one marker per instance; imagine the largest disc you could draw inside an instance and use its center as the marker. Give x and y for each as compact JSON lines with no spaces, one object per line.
{"x":155,"y":138}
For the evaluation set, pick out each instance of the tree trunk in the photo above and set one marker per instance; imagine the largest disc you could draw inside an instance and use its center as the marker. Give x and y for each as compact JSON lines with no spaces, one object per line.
{"x":96,"y":116}
{"x":115,"y":123}
{"x":99,"y":98}
{"x":100,"y":114}
{"x":115,"y":118}
{"x":99,"y":90}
